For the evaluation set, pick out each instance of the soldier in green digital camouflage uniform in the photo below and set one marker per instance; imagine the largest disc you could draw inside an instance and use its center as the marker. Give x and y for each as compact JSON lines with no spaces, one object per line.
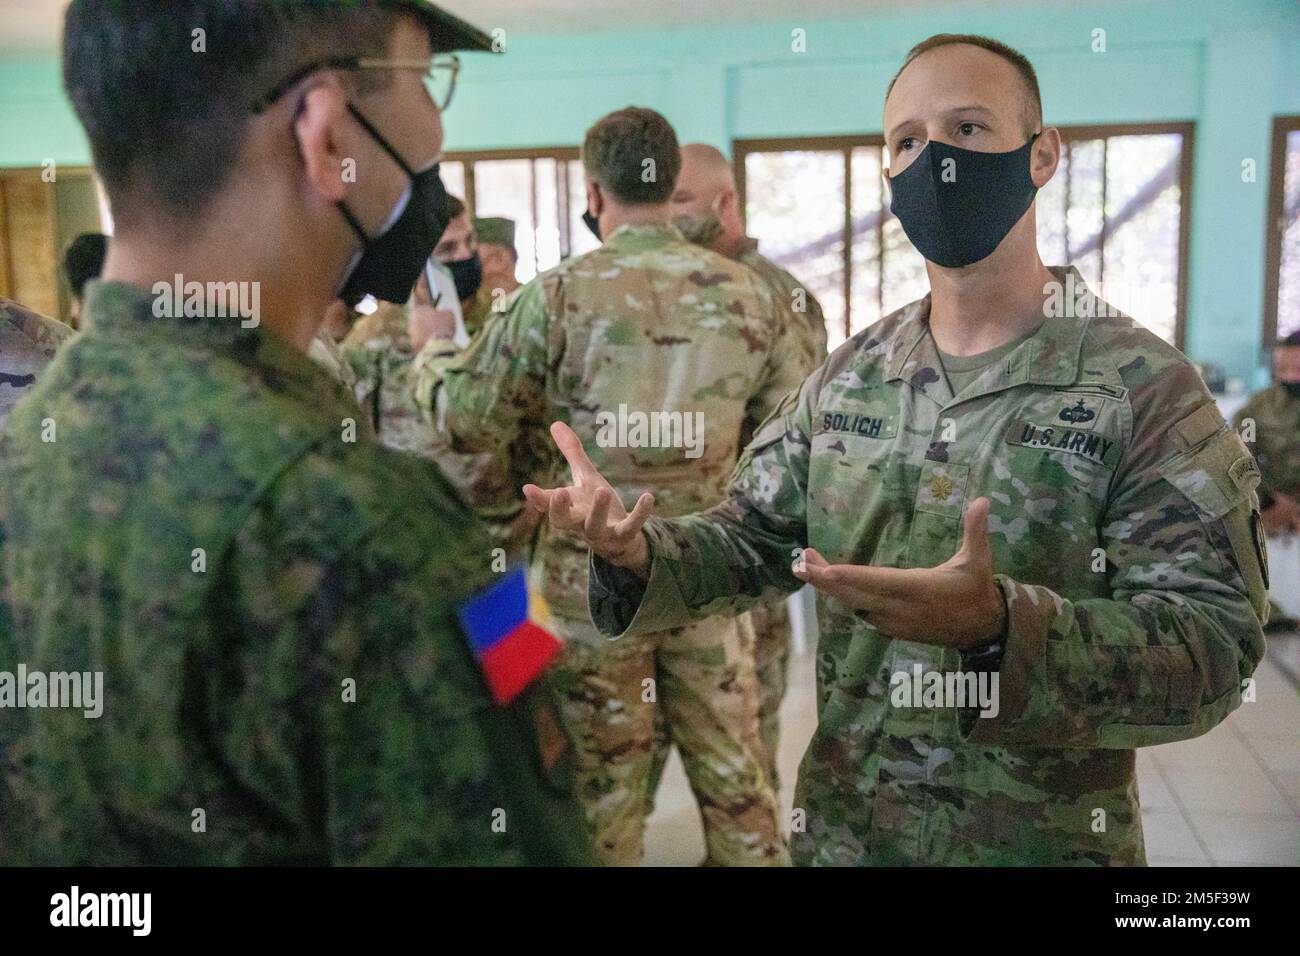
{"x":706,"y":208}
{"x":27,"y":343}
{"x":1071,"y":515}
{"x":647,"y":332}
{"x":272,"y":606}
{"x":1271,"y":424}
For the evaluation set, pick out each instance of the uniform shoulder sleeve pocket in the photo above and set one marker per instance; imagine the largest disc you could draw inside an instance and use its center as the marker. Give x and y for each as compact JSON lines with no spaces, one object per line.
{"x":1218,"y":474}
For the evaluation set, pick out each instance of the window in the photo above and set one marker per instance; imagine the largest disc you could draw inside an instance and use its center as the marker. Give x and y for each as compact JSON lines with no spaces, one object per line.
{"x":1282,"y":261}
{"x":540,"y":189}
{"x":1116,"y":209}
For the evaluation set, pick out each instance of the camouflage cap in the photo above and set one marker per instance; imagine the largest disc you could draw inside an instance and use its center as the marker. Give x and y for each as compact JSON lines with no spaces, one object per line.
{"x":448,"y":32}
{"x":496,"y":230}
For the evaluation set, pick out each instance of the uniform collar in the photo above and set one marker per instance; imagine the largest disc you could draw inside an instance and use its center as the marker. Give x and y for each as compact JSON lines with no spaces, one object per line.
{"x":643,"y":235}
{"x":120,"y":311}
{"x":1049,"y":357}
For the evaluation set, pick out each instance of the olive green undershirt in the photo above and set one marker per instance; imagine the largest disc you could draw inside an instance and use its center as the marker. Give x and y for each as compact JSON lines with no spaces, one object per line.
{"x":964,"y":369}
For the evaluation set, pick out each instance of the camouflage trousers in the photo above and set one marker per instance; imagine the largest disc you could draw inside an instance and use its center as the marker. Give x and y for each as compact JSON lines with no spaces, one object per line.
{"x":771,"y":623}
{"x":701,"y":677}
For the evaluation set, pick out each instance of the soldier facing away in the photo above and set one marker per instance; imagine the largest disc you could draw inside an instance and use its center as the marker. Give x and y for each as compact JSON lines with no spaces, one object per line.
{"x":656,"y":350}
{"x":979,"y":486}
{"x":272,"y":606}
{"x":706,"y":208}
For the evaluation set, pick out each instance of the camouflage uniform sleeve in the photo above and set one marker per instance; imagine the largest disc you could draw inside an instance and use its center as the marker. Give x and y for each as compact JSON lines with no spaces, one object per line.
{"x":1165,"y":657}
{"x":731,"y":556}
{"x":427,"y":374}
{"x":418,"y":766}
{"x":791,"y":360}
{"x":1263,"y":447}
{"x":490,"y":397}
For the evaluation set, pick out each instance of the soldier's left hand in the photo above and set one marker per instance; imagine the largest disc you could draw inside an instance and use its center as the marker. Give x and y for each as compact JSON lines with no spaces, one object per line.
{"x":956,"y":604}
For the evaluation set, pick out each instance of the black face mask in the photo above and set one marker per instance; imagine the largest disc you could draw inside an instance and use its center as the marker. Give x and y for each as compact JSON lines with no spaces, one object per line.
{"x":957,"y":212}
{"x":1292,"y":388}
{"x":592,"y":223}
{"x":467,"y":274}
{"x":390,"y":263}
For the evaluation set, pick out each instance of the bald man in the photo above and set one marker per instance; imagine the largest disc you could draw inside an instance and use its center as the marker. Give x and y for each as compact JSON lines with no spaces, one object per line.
{"x":706,"y":208}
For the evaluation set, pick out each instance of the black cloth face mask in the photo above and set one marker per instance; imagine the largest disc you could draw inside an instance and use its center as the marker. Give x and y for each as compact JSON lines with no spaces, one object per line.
{"x":467,"y":274}
{"x":591,"y":223}
{"x":390,"y":263}
{"x":960,"y":221}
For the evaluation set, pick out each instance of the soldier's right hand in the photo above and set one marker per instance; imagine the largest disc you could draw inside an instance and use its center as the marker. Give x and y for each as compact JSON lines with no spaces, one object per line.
{"x":426,"y":323}
{"x":590,"y":508}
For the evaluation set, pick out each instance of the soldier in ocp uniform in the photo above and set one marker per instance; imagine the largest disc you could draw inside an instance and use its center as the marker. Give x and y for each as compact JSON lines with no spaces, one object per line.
{"x":28,"y":342}
{"x":1274,"y":417}
{"x":496,"y":247}
{"x":706,"y":208}
{"x":272,"y":606}
{"x":982,"y":485}
{"x":656,"y":350}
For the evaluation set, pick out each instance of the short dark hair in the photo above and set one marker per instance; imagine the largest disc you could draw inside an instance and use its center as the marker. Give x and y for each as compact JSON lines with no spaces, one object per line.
{"x":1290,"y":340}
{"x":166,"y":122}
{"x":1034,"y":102}
{"x":84,"y":260}
{"x":455,"y":206}
{"x":616,"y":149}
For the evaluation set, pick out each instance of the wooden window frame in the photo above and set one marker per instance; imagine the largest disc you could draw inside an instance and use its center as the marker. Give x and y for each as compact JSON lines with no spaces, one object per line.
{"x":1282,"y":126}
{"x":562,"y":154}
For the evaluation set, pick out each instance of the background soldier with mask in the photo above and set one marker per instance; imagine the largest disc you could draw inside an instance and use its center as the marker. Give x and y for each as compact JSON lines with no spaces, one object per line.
{"x":1275,"y":412}
{"x":1062,"y":507}
{"x":496,"y":247}
{"x":273,"y":608}
{"x":706,"y":209}
{"x":382,"y":346}
{"x":646,"y":324}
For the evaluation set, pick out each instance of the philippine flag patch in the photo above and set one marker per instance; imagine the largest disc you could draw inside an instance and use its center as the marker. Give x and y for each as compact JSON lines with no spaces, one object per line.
{"x":508,"y":631}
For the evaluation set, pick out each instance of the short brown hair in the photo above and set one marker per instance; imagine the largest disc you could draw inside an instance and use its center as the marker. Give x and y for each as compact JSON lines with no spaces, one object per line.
{"x":1034,"y":101}
{"x":616,"y":150}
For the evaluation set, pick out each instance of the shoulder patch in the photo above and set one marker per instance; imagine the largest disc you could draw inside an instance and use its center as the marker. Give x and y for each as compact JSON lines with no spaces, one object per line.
{"x":508,"y":632}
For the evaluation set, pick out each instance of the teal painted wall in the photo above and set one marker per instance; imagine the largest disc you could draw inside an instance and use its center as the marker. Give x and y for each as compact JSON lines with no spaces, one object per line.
{"x":1228,"y":67}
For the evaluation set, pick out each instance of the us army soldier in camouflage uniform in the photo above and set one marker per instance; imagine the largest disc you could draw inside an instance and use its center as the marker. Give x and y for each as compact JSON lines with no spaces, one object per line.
{"x":1274,"y":421}
{"x":656,"y":350}
{"x":27,"y":343}
{"x":381,"y":349}
{"x":706,"y":208}
{"x":272,"y":608}
{"x":1076,"y":519}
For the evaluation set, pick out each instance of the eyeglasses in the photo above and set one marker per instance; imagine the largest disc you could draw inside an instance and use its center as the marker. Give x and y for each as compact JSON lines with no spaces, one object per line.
{"x":439,"y":75}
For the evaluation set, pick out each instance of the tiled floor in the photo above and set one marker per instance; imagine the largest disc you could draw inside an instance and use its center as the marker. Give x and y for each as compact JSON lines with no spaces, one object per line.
{"x":1229,"y":797}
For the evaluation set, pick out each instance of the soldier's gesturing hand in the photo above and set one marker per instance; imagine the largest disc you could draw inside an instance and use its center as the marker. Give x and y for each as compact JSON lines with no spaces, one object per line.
{"x":590,"y":507}
{"x":956,"y":604}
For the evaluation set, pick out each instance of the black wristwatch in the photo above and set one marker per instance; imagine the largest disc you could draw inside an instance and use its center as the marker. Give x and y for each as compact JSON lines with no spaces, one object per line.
{"x":984,"y":658}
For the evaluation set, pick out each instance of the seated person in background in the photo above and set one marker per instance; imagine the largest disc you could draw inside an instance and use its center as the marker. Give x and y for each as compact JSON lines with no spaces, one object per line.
{"x":81,"y":263}
{"x":1270,"y":425}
